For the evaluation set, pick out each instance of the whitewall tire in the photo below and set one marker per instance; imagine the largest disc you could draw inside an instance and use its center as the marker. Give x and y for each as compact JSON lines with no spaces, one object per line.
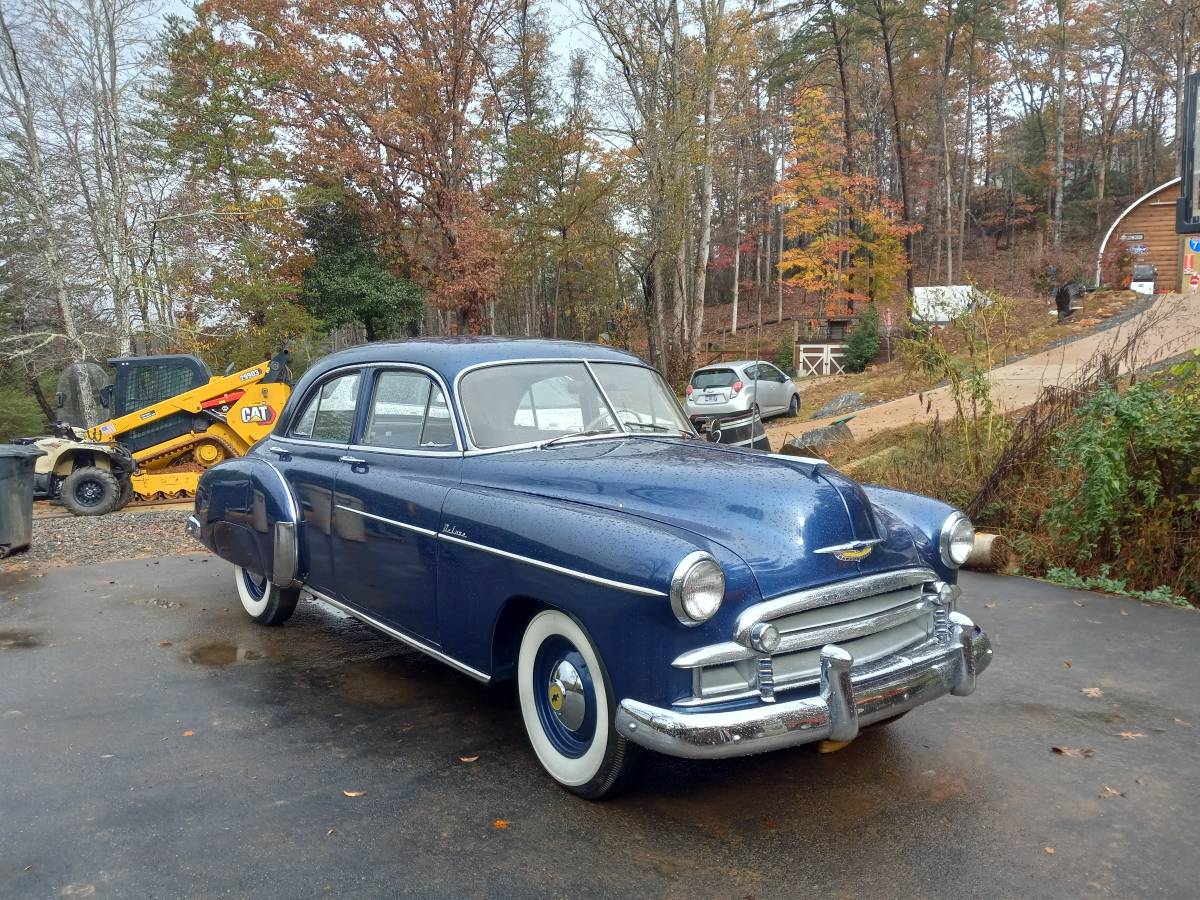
{"x":568,"y":708}
{"x":264,"y":602}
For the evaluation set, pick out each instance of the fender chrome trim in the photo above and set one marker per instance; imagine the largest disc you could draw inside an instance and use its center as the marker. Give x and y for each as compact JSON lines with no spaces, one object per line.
{"x":550,"y":567}
{"x":428,"y":532}
{"x":398,"y":635}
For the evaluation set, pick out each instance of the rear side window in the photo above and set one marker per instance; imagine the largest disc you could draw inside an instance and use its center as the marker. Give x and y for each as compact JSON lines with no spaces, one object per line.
{"x":409,"y":412}
{"x":329,"y":412}
{"x":713,"y":378}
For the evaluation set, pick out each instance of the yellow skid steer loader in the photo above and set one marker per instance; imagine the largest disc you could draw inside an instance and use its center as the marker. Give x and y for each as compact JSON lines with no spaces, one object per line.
{"x":170,"y":420}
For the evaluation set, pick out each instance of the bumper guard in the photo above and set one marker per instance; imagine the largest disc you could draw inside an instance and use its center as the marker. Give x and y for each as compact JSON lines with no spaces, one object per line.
{"x":847,"y":701}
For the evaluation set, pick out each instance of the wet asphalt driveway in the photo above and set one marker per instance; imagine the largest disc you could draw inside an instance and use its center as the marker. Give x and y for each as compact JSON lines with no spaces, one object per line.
{"x":155,"y":743}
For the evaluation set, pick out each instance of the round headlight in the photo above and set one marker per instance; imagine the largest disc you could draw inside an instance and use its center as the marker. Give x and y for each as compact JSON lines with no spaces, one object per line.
{"x":697,"y":588}
{"x":957,"y":540}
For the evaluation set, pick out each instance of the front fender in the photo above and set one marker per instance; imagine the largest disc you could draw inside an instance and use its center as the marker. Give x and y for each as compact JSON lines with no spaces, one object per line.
{"x":924,"y":517}
{"x":248,"y":516}
{"x":609,"y":569}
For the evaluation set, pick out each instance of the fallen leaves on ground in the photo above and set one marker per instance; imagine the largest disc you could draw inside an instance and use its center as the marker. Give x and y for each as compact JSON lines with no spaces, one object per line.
{"x":1095,"y":693}
{"x":502,"y":824}
{"x":164,"y":643}
{"x":188,"y":733}
{"x":1049,"y":851}
{"x":330,"y":832}
{"x":468,"y":759}
{"x":1111,"y":792}
{"x":1079,"y":603}
{"x":1124,"y":612}
{"x":1179,"y":721}
{"x":1066,"y":664}
{"x":1080,"y":752}
{"x":989,"y":605}
{"x":353,"y":793}
{"x":1132,"y":735}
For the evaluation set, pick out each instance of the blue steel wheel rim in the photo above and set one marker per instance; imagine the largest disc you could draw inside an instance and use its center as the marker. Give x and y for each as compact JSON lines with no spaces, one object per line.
{"x":572,"y":743}
{"x":257,"y":588}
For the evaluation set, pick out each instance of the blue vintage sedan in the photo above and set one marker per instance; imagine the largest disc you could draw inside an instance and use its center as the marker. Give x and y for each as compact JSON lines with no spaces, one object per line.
{"x":544,"y":512}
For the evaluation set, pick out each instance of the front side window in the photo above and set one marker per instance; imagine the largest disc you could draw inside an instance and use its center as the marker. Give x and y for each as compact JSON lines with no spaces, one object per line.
{"x":328,"y":414}
{"x":408,"y":412}
{"x":524,"y":403}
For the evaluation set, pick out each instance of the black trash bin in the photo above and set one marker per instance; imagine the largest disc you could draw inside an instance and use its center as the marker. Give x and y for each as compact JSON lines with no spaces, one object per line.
{"x":16,"y":496}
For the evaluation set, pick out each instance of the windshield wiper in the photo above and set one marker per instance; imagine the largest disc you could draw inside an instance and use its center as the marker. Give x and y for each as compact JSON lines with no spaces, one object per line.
{"x":576,"y":434}
{"x":633,"y":425}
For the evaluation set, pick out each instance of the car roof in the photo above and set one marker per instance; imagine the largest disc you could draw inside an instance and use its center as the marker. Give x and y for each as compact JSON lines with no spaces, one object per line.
{"x":449,"y":356}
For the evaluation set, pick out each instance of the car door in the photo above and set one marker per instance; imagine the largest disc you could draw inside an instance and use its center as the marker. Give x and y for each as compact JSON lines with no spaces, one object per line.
{"x":388,"y":504}
{"x":309,"y":458}
{"x":776,"y":383}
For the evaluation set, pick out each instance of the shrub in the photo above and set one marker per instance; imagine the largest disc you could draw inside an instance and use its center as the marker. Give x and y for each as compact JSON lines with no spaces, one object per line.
{"x":864,"y":341}
{"x":785,"y":356}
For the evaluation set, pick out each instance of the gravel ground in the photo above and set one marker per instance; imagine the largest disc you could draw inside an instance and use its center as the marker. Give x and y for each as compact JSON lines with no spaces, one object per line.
{"x":73,"y":541}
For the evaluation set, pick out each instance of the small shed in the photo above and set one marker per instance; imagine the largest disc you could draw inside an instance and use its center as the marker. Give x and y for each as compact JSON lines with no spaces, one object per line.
{"x":939,"y":304}
{"x":1146,"y":229}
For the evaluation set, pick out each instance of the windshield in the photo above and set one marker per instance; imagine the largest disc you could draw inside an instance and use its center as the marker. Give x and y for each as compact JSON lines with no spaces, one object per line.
{"x":713,"y":378}
{"x":527,"y":403}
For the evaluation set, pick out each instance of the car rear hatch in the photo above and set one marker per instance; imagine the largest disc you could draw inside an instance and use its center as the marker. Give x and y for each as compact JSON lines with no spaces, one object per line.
{"x":713,"y":386}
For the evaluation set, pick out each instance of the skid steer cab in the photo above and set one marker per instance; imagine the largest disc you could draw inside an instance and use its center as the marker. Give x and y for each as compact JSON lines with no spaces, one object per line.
{"x":167,"y":420}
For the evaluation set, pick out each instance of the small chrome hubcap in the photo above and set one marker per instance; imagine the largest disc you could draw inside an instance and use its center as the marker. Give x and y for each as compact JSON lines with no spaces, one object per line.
{"x":565,"y":693}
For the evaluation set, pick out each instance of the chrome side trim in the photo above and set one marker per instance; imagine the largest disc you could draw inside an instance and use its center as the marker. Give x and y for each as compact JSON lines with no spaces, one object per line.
{"x":550,"y":567}
{"x":849,"y":698}
{"x":428,"y":532}
{"x":827,"y":595}
{"x":399,"y":635}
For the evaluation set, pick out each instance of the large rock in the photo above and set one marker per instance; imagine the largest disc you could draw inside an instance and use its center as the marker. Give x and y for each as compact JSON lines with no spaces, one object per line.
{"x":845,"y":403}
{"x":811,"y":442}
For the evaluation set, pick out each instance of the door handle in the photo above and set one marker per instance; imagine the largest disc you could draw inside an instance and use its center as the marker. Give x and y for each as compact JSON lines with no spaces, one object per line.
{"x":353,"y":460}
{"x":281,"y":452}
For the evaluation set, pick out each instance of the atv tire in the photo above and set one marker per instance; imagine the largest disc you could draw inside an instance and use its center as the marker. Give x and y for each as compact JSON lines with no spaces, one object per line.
{"x":126,"y":494}
{"x":89,"y":491}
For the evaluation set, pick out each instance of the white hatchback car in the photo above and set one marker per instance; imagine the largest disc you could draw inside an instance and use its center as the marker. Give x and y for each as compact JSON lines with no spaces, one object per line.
{"x":733,"y":387}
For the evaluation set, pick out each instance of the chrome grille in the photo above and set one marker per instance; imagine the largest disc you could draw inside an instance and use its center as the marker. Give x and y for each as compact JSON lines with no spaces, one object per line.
{"x":871,"y":618}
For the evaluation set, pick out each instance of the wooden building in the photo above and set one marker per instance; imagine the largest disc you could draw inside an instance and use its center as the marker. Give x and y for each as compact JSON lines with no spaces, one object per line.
{"x":1146,"y":229}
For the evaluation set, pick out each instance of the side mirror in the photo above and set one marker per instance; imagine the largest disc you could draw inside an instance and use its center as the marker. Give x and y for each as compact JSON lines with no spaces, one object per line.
{"x":106,"y":394}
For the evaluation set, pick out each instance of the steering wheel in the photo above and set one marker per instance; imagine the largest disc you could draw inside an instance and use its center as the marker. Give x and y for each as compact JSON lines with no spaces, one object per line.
{"x":624,"y":414}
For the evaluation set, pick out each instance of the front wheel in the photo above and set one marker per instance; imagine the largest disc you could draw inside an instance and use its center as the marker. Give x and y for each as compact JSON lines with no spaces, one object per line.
{"x":90,"y":491}
{"x":264,"y":602}
{"x":568,"y":708}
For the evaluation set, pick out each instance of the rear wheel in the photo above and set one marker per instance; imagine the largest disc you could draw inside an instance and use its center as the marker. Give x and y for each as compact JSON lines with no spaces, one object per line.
{"x":264,"y":602}
{"x":569,"y":710}
{"x":126,"y":494}
{"x":89,"y":491}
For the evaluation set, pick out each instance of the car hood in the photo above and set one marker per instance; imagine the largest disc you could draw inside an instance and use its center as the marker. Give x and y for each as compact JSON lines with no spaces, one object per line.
{"x":775,"y":512}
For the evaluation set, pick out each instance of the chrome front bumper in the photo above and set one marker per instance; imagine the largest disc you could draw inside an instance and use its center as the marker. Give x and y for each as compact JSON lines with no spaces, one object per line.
{"x":847,"y":701}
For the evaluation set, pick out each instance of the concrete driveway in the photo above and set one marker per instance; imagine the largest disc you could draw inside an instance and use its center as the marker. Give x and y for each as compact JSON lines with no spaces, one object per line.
{"x":154,"y":742}
{"x":1172,"y":327}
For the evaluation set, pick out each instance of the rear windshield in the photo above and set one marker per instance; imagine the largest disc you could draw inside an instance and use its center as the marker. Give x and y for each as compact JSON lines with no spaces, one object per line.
{"x":713,"y":378}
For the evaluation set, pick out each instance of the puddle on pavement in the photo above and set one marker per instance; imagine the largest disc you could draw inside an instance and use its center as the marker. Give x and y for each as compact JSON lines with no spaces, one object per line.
{"x":17,"y":640}
{"x":218,"y":654}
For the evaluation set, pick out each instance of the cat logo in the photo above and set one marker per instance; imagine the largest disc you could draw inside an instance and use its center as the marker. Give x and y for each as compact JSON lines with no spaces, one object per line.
{"x":259,"y":414}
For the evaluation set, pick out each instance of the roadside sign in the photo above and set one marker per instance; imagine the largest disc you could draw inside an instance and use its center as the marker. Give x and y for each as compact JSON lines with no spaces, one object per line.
{"x":1189,"y":263}
{"x":1194,"y":245}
